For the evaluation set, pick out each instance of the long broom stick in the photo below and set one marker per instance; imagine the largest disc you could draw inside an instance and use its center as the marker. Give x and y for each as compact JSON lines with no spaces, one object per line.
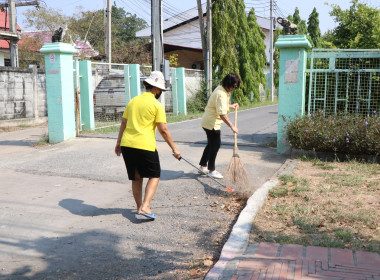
{"x":193,"y":165}
{"x":236,"y":172}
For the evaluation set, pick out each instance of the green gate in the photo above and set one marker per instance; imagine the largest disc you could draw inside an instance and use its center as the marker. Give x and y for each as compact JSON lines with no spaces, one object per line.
{"x":343,"y":81}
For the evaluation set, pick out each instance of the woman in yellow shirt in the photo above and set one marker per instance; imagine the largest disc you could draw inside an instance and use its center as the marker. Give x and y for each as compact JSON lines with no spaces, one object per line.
{"x":216,"y":112}
{"x":137,"y":141}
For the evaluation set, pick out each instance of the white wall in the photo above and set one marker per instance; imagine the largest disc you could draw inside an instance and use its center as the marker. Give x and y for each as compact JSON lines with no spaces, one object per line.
{"x":1,"y":59}
{"x":187,"y":35}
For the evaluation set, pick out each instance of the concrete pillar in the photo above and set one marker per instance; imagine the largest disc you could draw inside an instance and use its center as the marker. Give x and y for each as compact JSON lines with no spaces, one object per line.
{"x":132,"y":81}
{"x":35,"y":91}
{"x":59,"y":90}
{"x":86,"y":95}
{"x":293,"y":58}
{"x":174,"y":91}
{"x":181,"y":90}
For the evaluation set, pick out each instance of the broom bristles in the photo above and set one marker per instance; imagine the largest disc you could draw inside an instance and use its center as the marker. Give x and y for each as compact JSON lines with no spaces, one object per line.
{"x":237,"y":174}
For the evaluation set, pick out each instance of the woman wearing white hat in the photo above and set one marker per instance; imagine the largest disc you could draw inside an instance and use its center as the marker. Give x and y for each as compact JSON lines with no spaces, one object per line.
{"x":137,"y":141}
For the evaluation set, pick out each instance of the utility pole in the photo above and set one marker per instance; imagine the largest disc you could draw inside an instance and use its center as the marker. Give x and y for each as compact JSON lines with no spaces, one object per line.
{"x":13,"y":29}
{"x":209,"y":48}
{"x":157,"y":35}
{"x":107,"y":23}
{"x":271,"y":51}
{"x":158,"y":42}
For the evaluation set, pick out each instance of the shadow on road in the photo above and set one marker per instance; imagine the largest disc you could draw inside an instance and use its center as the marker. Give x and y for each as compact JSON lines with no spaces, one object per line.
{"x":93,"y":255}
{"x":77,"y":207}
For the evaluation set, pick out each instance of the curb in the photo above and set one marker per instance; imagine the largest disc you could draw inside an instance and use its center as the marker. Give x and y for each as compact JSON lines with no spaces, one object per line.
{"x":237,"y":243}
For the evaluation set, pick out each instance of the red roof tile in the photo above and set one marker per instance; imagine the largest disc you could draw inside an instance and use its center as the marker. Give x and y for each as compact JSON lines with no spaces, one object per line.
{"x":4,"y":21}
{"x":4,"y":44}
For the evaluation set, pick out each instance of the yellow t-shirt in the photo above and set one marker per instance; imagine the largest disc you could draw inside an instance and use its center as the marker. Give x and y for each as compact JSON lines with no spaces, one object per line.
{"x":218,"y":104}
{"x":142,"y":114}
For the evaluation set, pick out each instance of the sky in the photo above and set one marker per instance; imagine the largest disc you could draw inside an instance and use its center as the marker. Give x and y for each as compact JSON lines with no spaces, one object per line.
{"x":172,"y":7}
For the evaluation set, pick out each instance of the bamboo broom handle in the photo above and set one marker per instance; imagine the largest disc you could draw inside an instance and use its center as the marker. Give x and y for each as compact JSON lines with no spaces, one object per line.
{"x":235,"y":135}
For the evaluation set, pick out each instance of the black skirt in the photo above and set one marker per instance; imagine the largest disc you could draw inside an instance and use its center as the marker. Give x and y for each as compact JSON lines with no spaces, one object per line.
{"x":147,"y":163}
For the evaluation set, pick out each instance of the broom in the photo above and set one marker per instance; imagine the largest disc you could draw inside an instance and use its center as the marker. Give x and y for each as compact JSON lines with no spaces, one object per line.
{"x":236,"y":173}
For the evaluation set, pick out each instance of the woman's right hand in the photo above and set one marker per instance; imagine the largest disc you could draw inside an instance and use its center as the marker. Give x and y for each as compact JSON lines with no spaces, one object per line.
{"x":176,"y":153}
{"x":117,"y":149}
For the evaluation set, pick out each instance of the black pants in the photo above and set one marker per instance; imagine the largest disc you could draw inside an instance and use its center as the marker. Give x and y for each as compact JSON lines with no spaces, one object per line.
{"x":211,"y":150}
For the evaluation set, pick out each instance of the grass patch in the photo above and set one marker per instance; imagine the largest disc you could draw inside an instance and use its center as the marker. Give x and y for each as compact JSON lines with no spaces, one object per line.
{"x":279,"y":192}
{"x":336,"y":208}
{"x":43,"y":141}
{"x":259,"y":104}
{"x":181,"y":117}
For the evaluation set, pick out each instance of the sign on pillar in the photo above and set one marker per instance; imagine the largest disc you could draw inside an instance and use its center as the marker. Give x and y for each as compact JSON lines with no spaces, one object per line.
{"x":59,"y":90}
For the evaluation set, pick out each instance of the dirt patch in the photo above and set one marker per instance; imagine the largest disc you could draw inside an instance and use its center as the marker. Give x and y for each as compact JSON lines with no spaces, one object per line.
{"x":198,"y":269}
{"x":324,"y":204}
{"x":10,"y":128}
{"x":20,"y":127}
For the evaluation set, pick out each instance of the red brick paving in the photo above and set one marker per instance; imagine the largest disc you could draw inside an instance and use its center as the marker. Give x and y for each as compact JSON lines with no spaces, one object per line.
{"x":342,"y":256}
{"x":267,"y":249}
{"x":274,"y":262}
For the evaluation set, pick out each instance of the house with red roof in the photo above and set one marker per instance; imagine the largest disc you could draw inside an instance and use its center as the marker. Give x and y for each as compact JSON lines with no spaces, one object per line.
{"x":4,"y":44}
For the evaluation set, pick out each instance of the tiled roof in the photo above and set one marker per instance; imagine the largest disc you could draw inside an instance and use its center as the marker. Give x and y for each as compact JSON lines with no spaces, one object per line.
{"x":4,"y":45}
{"x":4,"y":21}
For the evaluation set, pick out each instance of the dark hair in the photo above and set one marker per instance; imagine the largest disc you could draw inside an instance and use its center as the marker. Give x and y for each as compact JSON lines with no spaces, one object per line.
{"x":232,"y":80}
{"x":147,"y":86}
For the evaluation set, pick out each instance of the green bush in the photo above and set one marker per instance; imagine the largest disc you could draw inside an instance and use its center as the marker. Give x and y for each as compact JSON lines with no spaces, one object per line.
{"x":347,"y":134}
{"x":199,"y":102}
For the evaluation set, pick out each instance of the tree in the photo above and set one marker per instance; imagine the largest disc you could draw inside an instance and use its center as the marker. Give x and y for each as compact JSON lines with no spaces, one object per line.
{"x":28,"y":52}
{"x":238,"y":47}
{"x":313,"y":29}
{"x":276,"y":59}
{"x":125,"y":25}
{"x":45,"y":19}
{"x":89,"y":26}
{"x":224,"y":32}
{"x":244,"y":46}
{"x":358,"y":27}
{"x":302,"y":29}
{"x":256,"y":48}
{"x":90,"y":23}
{"x":327,"y":40}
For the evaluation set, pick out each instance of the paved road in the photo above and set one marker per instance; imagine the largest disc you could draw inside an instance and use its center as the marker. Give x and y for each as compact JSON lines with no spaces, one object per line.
{"x":67,"y":211}
{"x":257,"y":126}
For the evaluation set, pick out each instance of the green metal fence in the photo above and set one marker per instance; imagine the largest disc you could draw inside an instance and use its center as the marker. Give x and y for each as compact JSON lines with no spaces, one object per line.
{"x":343,"y":81}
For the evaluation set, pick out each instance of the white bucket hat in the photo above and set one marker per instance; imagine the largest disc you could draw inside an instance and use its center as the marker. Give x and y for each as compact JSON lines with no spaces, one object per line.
{"x":156,"y":79}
